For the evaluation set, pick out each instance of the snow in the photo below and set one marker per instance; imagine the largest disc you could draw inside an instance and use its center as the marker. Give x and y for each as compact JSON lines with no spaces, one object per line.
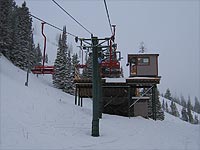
{"x":115,"y":80}
{"x":42,"y":117}
{"x":123,"y":80}
{"x":144,"y":78}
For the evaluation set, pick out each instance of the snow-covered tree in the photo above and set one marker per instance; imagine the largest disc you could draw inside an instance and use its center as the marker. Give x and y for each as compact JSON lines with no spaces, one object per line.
{"x":75,"y":62}
{"x":60,"y":66}
{"x":168,"y":94}
{"x":23,"y":47}
{"x":163,"y":105}
{"x":46,"y":58}
{"x":87,"y":71}
{"x":69,"y":87}
{"x":196,"y":105}
{"x":174,"y":110}
{"x":166,"y":107}
{"x":176,"y":99}
{"x":159,"y":111}
{"x":190,"y":116}
{"x":189,"y":112}
{"x":6,"y":14}
{"x":184,"y":114}
{"x":38,"y":55}
{"x":196,"y":120}
{"x":189,"y":104}
{"x":16,"y":41}
{"x":62,"y":77}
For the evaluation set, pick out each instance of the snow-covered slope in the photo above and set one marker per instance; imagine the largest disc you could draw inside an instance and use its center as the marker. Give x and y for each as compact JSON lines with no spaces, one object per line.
{"x":42,"y":117}
{"x":179,"y":107}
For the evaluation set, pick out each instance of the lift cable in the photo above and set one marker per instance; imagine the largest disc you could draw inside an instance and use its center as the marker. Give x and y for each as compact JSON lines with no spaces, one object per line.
{"x":72,"y":17}
{"x":108,"y":16}
{"x":51,"y":25}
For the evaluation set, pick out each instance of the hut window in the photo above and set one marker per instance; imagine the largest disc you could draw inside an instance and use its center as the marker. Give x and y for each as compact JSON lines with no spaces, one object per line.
{"x":143,"y":61}
{"x":133,"y":61}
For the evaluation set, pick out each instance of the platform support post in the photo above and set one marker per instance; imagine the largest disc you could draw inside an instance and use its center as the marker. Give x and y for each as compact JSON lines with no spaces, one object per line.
{"x":100,"y":87}
{"x":154,"y":96}
{"x":129,"y":101}
{"x":81,"y":101}
{"x":100,"y":99}
{"x":28,"y":70}
{"x":76,"y":94}
{"x":95,"y":88}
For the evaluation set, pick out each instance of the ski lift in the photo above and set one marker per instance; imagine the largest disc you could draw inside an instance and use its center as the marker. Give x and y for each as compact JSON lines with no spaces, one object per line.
{"x":42,"y":69}
{"x":81,"y":65}
{"x":110,"y":66}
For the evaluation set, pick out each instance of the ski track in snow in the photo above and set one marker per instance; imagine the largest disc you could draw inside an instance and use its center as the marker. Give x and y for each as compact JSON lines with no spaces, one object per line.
{"x":42,"y":117}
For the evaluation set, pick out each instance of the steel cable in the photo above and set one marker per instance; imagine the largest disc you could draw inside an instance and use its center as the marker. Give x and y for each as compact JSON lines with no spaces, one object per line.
{"x":71,"y":17}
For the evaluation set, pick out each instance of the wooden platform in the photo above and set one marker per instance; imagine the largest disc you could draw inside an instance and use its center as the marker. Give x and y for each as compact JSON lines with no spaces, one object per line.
{"x":118,"y":94}
{"x":85,"y":85}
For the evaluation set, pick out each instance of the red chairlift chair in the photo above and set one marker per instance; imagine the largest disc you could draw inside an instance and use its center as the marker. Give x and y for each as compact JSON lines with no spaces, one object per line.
{"x":110,"y":67}
{"x":42,"y":69}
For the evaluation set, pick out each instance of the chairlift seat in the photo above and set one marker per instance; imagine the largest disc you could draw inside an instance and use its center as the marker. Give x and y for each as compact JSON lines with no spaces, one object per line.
{"x":43,"y":70}
{"x":112,"y":64}
{"x":81,"y":65}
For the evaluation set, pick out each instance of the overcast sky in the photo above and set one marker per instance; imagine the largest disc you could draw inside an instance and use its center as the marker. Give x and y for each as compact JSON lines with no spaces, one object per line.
{"x":168,"y":27}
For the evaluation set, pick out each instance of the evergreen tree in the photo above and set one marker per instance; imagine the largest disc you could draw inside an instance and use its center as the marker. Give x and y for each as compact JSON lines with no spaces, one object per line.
{"x":190,"y":116}
{"x":32,"y":52}
{"x":62,"y":77}
{"x":174,"y":110}
{"x":150,"y":114}
{"x":197,"y":106}
{"x":168,"y":94}
{"x":60,"y":66}
{"x":57,"y":66}
{"x":196,"y":120}
{"x":166,"y":107}
{"x":75,"y":62}
{"x":184,"y":114}
{"x":46,"y":58}
{"x":176,"y":99}
{"x":15,"y":30}
{"x":189,"y":104}
{"x":38,"y":57}
{"x":163,"y":105}
{"x":189,"y":112}
{"x":23,"y":46}
{"x":6,"y":12}
{"x":87,"y":71}
{"x":159,"y":112}
{"x":16,"y":41}
{"x":69,"y":86}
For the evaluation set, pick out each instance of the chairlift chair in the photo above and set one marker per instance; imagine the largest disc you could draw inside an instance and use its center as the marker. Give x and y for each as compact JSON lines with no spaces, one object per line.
{"x":42,"y":69}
